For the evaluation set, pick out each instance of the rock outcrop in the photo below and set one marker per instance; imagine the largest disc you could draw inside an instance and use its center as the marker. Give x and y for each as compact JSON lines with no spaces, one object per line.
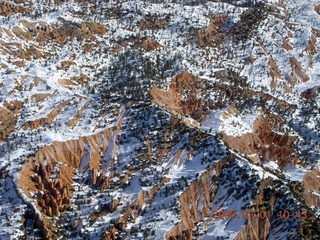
{"x":211,"y":35}
{"x":258,"y":228}
{"x":8,"y":8}
{"x":150,"y":44}
{"x":310,"y":93}
{"x":196,"y":202}
{"x":48,"y":119}
{"x":153,"y":22}
{"x":298,"y":73}
{"x":181,"y":96}
{"x":264,"y":143}
{"x":49,"y":173}
{"x":311,"y":194}
{"x":275,"y":72}
{"x":8,"y":118}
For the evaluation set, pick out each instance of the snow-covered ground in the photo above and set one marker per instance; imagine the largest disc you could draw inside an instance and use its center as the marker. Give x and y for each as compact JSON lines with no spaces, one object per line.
{"x":294,"y":22}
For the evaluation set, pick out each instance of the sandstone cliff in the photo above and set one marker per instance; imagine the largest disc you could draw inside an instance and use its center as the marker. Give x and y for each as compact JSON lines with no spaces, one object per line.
{"x":181,"y":96}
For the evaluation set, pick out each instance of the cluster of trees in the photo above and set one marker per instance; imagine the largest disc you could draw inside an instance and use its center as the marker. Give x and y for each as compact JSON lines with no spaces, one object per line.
{"x":131,"y":74}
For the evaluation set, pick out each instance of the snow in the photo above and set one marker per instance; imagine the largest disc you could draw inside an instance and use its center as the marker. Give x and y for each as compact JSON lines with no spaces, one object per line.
{"x":237,"y":125}
{"x":294,"y":173}
{"x":180,"y":46}
{"x":212,"y":122}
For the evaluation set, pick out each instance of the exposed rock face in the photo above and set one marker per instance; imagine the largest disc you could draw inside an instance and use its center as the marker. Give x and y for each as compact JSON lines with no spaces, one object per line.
{"x":111,"y":234}
{"x":73,"y":122}
{"x":275,"y":72}
{"x":42,"y":32}
{"x":286,"y":45}
{"x":74,"y":81}
{"x":210,"y":35}
{"x":39,"y":97}
{"x":54,"y":187}
{"x":52,"y":197}
{"x":8,"y":122}
{"x":152,"y":22}
{"x":196,"y":202}
{"x":150,"y":44}
{"x":8,"y":118}
{"x":48,"y":119}
{"x":311,"y":47}
{"x":317,"y":8}
{"x":137,"y":43}
{"x":298,"y":73}
{"x":181,"y":97}
{"x":311,"y":194}
{"x":79,"y":31}
{"x":8,"y":8}
{"x":65,"y":65}
{"x":310,"y":93}
{"x":264,"y":142}
{"x":255,"y":229}
{"x":258,"y":228}
{"x":59,"y":82}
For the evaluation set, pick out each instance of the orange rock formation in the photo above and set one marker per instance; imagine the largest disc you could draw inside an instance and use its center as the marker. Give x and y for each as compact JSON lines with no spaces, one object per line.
{"x":181,"y":97}
{"x":264,"y":142}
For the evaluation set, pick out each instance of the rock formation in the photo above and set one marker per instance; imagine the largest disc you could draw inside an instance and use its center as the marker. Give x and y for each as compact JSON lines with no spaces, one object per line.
{"x":181,"y":96}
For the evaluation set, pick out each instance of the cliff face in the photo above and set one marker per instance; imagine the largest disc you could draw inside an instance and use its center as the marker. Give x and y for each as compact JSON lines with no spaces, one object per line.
{"x":264,"y":142}
{"x":310,"y":93}
{"x":195,"y":202}
{"x":48,"y":176}
{"x":317,"y":8}
{"x":311,"y":192}
{"x":181,"y":96}
{"x":255,"y":229}
{"x":8,"y":122}
{"x":150,"y":44}
{"x":48,"y":119}
{"x":8,"y":8}
{"x":259,"y":227}
{"x":145,"y":119}
{"x":211,"y":35}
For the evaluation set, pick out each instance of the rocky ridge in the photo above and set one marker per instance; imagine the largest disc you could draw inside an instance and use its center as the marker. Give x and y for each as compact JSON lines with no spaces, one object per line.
{"x":139,"y":119}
